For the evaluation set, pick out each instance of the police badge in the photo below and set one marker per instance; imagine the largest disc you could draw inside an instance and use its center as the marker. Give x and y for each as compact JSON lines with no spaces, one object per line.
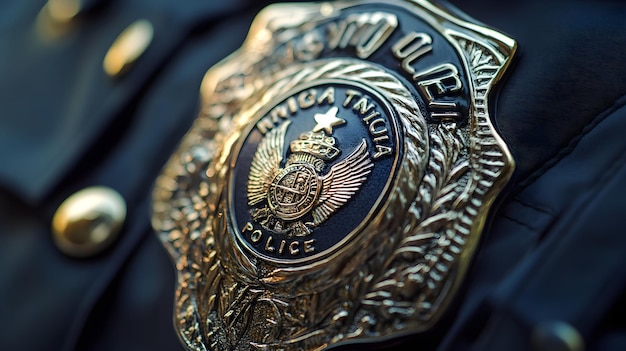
{"x":334,"y":187}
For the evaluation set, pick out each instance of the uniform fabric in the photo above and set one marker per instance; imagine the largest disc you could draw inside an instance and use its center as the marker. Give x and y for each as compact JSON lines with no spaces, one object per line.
{"x":553,"y":250}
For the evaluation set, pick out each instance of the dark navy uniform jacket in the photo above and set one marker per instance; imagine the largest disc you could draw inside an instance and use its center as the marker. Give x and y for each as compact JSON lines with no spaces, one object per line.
{"x":554,"y":250}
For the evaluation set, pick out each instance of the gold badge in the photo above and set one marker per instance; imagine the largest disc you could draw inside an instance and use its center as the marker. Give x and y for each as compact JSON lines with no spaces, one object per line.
{"x":334,"y":187}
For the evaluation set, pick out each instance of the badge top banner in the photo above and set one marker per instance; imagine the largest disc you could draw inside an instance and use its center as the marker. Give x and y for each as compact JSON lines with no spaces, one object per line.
{"x":335,"y":184}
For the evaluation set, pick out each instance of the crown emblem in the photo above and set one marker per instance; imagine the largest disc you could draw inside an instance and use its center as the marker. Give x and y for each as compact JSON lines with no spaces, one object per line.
{"x":317,"y":145}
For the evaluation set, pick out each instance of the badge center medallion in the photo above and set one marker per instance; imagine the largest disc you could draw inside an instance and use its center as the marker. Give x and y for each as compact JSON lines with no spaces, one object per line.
{"x":325,"y":150}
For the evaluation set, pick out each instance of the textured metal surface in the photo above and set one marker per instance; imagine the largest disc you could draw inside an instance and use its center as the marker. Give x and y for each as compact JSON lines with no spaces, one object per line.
{"x":367,"y":241}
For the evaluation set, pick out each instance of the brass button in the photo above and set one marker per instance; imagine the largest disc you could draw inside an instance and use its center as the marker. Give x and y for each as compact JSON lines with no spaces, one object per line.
{"x":88,"y":221}
{"x":556,"y":336}
{"x":56,"y":18}
{"x":63,"y":11}
{"x":128,"y":47}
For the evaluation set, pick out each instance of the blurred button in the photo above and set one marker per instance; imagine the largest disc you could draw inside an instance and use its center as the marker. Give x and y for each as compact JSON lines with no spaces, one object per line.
{"x":89,"y":221}
{"x":63,"y":10}
{"x":556,"y":336}
{"x":56,"y":19}
{"x":128,"y":47}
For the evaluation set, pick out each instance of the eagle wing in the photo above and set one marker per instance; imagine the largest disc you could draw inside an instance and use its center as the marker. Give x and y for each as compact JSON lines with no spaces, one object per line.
{"x":343,"y":181}
{"x":266,"y":163}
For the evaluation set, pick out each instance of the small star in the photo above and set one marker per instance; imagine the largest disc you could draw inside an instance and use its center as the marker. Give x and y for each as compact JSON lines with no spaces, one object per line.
{"x":326,"y":121}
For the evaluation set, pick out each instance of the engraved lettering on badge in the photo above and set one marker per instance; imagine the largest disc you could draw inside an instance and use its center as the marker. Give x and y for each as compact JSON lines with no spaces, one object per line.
{"x":281,"y":246}
{"x":377,"y":126}
{"x":434,"y":83}
{"x":365,"y":31}
{"x":302,"y":101}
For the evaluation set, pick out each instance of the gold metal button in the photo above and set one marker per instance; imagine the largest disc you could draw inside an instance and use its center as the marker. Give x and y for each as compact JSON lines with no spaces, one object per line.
{"x":57,"y":18}
{"x":63,"y":11}
{"x":88,"y":221}
{"x":128,"y":47}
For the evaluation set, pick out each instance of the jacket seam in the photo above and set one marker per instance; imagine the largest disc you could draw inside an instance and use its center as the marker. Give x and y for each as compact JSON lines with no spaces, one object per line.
{"x":569,"y":148}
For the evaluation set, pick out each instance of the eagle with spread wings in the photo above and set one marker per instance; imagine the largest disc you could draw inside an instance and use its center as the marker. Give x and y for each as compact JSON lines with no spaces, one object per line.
{"x":308,"y":192}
